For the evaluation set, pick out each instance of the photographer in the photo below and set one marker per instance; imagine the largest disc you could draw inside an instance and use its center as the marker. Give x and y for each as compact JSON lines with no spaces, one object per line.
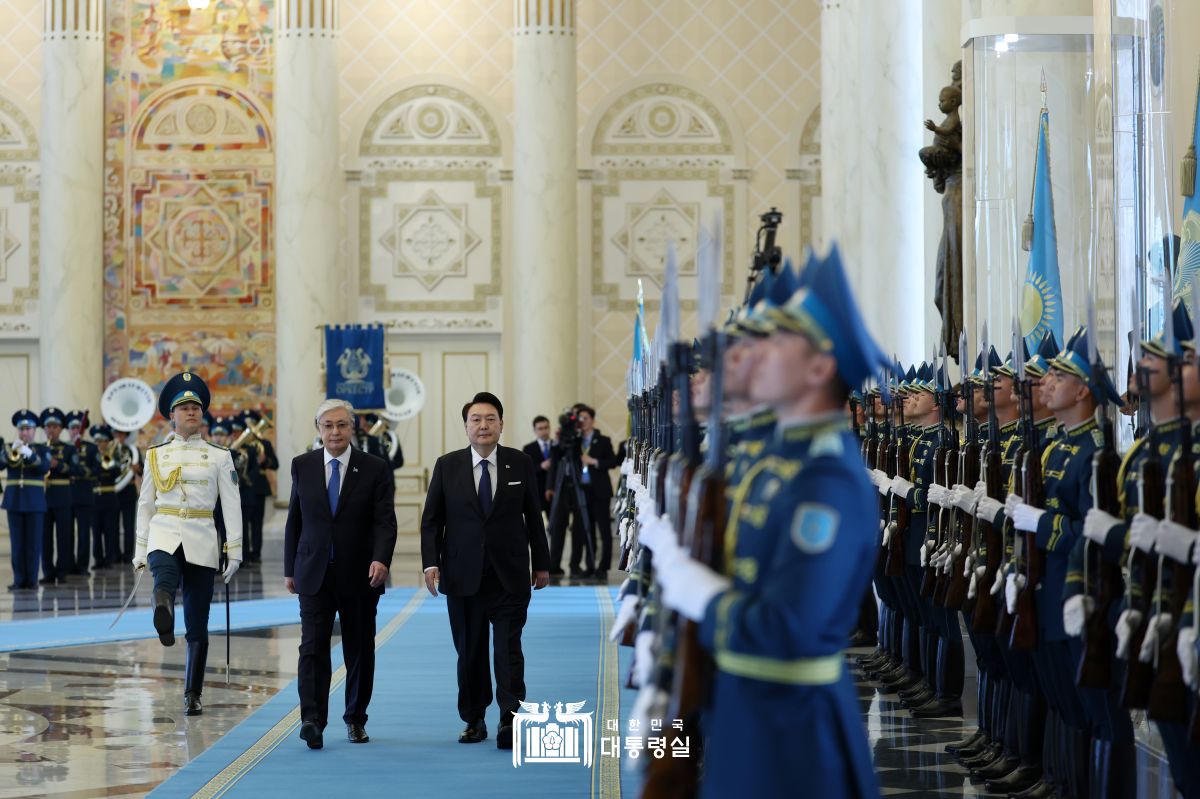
{"x":592,"y":454}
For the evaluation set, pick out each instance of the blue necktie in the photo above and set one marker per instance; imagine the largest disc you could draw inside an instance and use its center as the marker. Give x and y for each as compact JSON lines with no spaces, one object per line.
{"x":545,"y":451}
{"x":485,"y":488}
{"x":587,"y":445}
{"x":335,"y":484}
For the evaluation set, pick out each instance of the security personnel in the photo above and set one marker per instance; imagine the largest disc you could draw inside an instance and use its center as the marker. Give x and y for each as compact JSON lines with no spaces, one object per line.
{"x":105,"y":542}
{"x":268,"y":461}
{"x":58,"y":529}
{"x":83,"y":488}
{"x":25,"y":499}
{"x":784,"y":718}
{"x":176,"y":535}
{"x":127,"y":496}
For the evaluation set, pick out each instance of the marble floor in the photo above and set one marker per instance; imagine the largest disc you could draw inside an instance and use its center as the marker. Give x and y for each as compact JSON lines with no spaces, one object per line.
{"x":107,"y":719}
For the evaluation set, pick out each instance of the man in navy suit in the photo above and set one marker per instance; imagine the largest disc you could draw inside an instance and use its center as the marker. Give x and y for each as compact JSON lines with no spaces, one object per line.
{"x":337,"y":549}
{"x":482,"y":520}
{"x":539,"y":451}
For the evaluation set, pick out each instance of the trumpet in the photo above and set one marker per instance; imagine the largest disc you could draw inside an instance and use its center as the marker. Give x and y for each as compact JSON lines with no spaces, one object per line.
{"x":109,"y":457}
{"x":14,"y":453}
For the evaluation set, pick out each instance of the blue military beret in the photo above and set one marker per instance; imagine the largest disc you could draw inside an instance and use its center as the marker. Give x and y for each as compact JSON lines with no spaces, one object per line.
{"x":183,"y":387}
{"x":25,"y":418}
{"x":53,"y":415}
{"x":1047,"y":351}
{"x":780,"y":287}
{"x":101,"y":431}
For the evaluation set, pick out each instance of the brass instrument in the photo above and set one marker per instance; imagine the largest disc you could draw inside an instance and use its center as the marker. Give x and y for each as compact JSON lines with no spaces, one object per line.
{"x":250,"y":437}
{"x":14,"y":453}
{"x":110,"y":459}
{"x":127,"y":456}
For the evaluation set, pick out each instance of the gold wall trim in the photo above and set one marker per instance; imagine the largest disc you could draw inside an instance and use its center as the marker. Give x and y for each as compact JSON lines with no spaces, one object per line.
{"x":220,"y":784}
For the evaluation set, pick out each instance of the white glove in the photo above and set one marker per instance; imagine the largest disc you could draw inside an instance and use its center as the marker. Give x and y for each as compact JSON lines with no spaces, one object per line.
{"x":968,"y":564}
{"x":1010,"y":504}
{"x":649,"y":704}
{"x":887,"y":533}
{"x":1186,"y":649}
{"x":1127,"y":622}
{"x":635,"y":482}
{"x":139,"y":562}
{"x":657,"y":534}
{"x":900,"y":487}
{"x":1076,"y":612}
{"x":939,"y":495}
{"x":1026,"y":517}
{"x":988,"y":508}
{"x":1097,"y":524}
{"x":998,"y":583}
{"x":880,"y":479}
{"x":1013,"y":586}
{"x":688,"y":586}
{"x":626,"y":615}
{"x":976,"y":581}
{"x":623,"y":531}
{"x":980,"y":489}
{"x":25,"y":451}
{"x":963,"y":498}
{"x":627,"y":467}
{"x":1175,"y":541}
{"x":948,"y":562}
{"x":926,"y":548}
{"x":646,"y":513}
{"x":139,"y":553}
{"x":1159,"y":627}
{"x":231,"y":569}
{"x":1143,"y":529}
{"x":643,"y":657}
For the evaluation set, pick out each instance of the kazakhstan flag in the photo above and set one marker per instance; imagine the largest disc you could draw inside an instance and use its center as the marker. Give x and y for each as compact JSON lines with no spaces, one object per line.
{"x":1189,"y":234}
{"x":1041,"y":296}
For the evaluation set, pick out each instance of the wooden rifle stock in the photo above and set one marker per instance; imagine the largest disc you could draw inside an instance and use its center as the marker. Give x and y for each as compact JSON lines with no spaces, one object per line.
{"x":1004,"y":623}
{"x":956,"y":591}
{"x":1169,"y":691}
{"x":946,"y":527}
{"x":1099,"y":645}
{"x":898,"y":513}
{"x":929,"y":577}
{"x":1024,"y":631}
{"x":1139,"y":676}
{"x":983,"y":619}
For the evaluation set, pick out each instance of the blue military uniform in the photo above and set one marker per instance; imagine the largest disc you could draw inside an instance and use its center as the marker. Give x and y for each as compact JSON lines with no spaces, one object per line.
{"x":25,"y":501}
{"x":58,"y":531}
{"x":105,"y":544}
{"x":262,"y":488}
{"x":84,"y":468}
{"x":785,"y":719}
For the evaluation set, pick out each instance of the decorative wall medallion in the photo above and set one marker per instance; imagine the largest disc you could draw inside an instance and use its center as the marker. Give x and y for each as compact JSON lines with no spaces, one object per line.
{"x":649,"y":227}
{"x":430,"y":240}
{"x":9,"y":244}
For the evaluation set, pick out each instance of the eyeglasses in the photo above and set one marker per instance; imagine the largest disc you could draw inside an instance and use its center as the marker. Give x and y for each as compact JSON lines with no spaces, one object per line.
{"x":329,"y":427}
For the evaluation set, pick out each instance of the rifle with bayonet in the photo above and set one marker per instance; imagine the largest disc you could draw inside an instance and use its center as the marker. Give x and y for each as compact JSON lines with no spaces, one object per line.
{"x":1095,"y":666}
{"x":983,"y":617}
{"x":1004,"y":625}
{"x":932,"y":583}
{"x":1024,"y":628}
{"x":967,"y":475}
{"x":898,"y":513}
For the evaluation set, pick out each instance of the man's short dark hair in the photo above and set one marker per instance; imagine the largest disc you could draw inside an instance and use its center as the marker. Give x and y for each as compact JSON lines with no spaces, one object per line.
{"x":582,"y":408}
{"x":484,"y":398}
{"x":539,"y":419}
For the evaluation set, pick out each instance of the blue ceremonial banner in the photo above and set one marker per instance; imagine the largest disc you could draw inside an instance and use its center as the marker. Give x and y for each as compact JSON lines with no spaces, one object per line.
{"x":1189,"y":233}
{"x":1041,"y":296}
{"x":354,"y":365}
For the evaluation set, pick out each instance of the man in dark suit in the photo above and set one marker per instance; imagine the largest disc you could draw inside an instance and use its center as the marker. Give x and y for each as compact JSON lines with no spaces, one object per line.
{"x":337,"y":549}
{"x":598,"y":458}
{"x":539,"y":452}
{"x":482,"y":519}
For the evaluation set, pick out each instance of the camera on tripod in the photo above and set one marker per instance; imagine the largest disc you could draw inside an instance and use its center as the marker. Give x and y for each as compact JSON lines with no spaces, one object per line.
{"x":569,"y":433}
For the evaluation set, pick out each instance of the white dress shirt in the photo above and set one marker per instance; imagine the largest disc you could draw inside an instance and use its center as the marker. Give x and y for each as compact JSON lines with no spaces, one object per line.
{"x":344,"y":460}
{"x":477,"y":472}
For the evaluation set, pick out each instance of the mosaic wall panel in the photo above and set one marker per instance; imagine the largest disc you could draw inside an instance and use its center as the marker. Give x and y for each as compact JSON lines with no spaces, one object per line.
{"x":189,"y":174}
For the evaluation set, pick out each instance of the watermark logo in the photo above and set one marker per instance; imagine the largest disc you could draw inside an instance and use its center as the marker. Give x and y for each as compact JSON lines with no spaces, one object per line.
{"x":562,"y":737}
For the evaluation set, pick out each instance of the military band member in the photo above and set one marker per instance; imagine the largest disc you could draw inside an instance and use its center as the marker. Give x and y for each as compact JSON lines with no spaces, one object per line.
{"x":127,"y":496}
{"x":58,"y":539}
{"x":247,"y":459}
{"x":268,"y":461}
{"x":25,"y":499}
{"x":784,"y":718}
{"x":176,"y":534}
{"x":105,"y":543}
{"x":83,"y":488}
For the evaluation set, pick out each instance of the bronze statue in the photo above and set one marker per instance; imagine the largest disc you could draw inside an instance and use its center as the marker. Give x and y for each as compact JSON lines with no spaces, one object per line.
{"x":943,"y":165}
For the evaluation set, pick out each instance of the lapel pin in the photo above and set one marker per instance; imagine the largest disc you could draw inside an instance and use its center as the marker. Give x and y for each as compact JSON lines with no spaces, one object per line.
{"x":355,"y":469}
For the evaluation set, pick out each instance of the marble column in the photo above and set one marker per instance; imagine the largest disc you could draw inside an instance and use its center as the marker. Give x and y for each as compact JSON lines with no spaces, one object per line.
{"x":543,"y":358}
{"x":71,"y":248}
{"x":872,"y":181}
{"x":309,"y":283}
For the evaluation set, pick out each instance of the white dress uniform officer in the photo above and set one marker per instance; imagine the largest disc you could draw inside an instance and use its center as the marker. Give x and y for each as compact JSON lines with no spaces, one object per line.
{"x":177,"y":537}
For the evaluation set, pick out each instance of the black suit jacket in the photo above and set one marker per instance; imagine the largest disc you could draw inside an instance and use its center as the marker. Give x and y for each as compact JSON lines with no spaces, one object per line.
{"x":534,"y":450}
{"x":455,"y":532}
{"x":602,"y":450}
{"x":364,"y":529}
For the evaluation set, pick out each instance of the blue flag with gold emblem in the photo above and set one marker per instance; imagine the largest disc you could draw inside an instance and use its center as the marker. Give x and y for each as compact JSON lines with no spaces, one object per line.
{"x":354,"y":365}
{"x":1041,"y":295}
{"x":1189,"y":234}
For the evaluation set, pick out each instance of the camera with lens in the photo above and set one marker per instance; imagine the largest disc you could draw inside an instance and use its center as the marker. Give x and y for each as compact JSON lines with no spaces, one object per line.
{"x":568,"y":424}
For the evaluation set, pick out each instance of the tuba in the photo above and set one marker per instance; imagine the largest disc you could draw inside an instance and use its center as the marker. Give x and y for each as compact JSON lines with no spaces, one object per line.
{"x":128,"y":404}
{"x":405,"y":396}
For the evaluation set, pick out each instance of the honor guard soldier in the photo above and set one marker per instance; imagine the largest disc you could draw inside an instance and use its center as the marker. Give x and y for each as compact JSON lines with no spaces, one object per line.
{"x":25,"y":499}
{"x":83,"y":488}
{"x":105,"y":541}
{"x":58,"y":539}
{"x":176,"y":533}
{"x":268,"y":461}
{"x":784,"y":719}
{"x":127,"y":496}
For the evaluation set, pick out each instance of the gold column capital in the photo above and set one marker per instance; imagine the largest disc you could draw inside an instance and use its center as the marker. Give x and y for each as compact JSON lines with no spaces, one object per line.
{"x":544,"y":17}
{"x":73,"y":19}
{"x":296,"y":19}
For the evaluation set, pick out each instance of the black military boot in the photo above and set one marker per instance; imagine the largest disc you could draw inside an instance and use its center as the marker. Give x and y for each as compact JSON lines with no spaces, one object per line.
{"x":164,"y":616}
{"x":197,"y":656}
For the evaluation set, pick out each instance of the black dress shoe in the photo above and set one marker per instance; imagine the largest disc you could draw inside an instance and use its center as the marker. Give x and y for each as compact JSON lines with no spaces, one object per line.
{"x":191,"y":704}
{"x":46,"y":581}
{"x":164,"y":617}
{"x":474,"y":733}
{"x":954,"y":747}
{"x":310,"y":733}
{"x":504,"y":737}
{"x":938,"y":708}
{"x":861,"y":638}
{"x":579,"y":574}
{"x":1002,"y":767}
{"x":1019,"y":779}
{"x":1040,"y":790}
{"x":983,"y":758}
{"x":357,"y":734}
{"x":919,"y":699}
